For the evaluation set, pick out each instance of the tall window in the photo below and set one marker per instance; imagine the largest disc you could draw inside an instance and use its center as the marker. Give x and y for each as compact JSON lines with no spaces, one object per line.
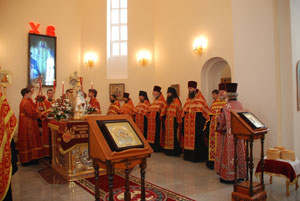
{"x":117,"y":28}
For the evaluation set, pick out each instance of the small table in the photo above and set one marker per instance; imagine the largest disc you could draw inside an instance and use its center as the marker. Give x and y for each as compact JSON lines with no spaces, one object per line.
{"x":290,"y":170}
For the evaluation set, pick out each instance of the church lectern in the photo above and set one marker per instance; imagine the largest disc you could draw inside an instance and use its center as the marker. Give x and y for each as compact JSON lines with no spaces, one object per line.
{"x":245,"y":126}
{"x":115,"y":142}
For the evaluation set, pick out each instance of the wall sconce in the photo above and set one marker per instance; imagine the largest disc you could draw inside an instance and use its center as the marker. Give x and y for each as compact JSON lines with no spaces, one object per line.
{"x":199,"y":44}
{"x":90,"y":58}
{"x":143,"y":57}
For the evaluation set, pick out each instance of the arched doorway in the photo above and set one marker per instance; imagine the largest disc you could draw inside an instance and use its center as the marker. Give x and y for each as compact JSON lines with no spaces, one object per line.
{"x":214,"y":71}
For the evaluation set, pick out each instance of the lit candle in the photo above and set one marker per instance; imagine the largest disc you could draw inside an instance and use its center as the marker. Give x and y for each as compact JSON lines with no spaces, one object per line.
{"x":92,"y":86}
{"x":63,"y":86}
{"x":54,"y":85}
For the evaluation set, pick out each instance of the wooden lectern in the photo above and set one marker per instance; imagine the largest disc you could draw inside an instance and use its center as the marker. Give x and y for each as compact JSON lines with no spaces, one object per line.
{"x":115,"y":142}
{"x":245,"y":126}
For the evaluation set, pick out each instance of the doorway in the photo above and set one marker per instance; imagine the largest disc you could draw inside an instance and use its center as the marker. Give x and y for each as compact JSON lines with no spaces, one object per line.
{"x":214,"y":71}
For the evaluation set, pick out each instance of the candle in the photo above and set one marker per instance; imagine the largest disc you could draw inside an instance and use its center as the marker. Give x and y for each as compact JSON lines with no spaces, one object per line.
{"x":63,"y":86}
{"x":81,"y":80}
{"x":92,"y":86}
{"x":54,"y":85}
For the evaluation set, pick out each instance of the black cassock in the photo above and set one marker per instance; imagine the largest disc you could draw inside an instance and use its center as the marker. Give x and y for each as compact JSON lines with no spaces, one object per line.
{"x":156,"y":146}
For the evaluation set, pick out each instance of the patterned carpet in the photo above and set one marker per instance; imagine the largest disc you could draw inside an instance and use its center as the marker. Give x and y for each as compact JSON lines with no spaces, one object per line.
{"x":153,"y":192}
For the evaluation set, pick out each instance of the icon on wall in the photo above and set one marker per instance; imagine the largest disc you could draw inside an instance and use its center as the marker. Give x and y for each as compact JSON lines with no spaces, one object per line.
{"x":42,"y":58}
{"x":117,"y":89}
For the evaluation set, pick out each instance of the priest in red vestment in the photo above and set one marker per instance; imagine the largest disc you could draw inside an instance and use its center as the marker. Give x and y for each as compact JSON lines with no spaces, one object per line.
{"x":154,"y":120}
{"x":140,"y":112}
{"x":8,"y":157}
{"x":50,"y":99}
{"x":195,"y":116}
{"x":45,"y":136}
{"x":214,"y":113}
{"x":224,"y":162}
{"x":29,"y":139}
{"x":93,"y":100}
{"x":114,"y":107}
{"x":127,"y":107}
{"x":171,"y":123}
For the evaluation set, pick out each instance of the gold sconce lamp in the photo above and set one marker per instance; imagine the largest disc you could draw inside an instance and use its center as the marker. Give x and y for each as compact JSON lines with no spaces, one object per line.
{"x":199,"y":45}
{"x":90,"y":58}
{"x":143,"y":57}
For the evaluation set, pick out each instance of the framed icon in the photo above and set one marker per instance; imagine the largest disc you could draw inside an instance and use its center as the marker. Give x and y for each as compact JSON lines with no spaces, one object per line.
{"x":42,"y":58}
{"x":120,"y":134}
{"x":117,"y":90}
{"x":5,"y":77}
{"x":252,"y":120}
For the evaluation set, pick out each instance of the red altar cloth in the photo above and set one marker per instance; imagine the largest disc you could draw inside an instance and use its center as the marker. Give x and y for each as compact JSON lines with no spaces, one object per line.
{"x":70,"y":133}
{"x":278,"y":168}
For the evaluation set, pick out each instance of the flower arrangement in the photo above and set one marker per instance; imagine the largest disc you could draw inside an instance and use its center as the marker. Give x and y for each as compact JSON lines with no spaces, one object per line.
{"x":90,"y":109}
{"x":40,"y":98}
{"x":61,"y":109}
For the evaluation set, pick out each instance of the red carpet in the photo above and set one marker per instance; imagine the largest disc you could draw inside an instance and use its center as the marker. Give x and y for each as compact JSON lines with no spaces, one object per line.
{"x":153,"y":192}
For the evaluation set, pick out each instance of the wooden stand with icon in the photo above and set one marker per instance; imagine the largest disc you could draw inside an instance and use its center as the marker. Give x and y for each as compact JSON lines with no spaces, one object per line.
{"x":245,"y":126}
{"x":115,"y":142}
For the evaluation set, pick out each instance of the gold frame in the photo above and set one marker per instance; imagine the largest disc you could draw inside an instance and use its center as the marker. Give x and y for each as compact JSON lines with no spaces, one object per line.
{"x":251,"y":119}
{"x":123,"y":134}
{"x":120,"y":134}
{"x":113,"y":90}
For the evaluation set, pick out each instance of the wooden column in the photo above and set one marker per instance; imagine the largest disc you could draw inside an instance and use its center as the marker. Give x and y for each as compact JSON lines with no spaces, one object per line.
{"x":110,"y":174}
{"x":97,"y":191}
{"x":251,"y":166}
{"x":262,"y":162}
{"x":143,"y":172}
{"x":127,"y":192}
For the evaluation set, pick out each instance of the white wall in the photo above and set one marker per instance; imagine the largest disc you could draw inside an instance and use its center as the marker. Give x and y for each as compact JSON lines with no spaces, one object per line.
{"x":254,"y":61}
{"x":295,"y":27}
{"x":140,"y":36}
{"x":177,"y":23}
{"x":284,"y":66}
{"x":15,"y":16}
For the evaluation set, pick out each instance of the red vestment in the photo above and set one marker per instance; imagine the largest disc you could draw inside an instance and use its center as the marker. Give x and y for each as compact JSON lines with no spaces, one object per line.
{"x":45,"y":137}
{"x":95,"y":104}
{"x":114,"y":108}
{"x":128,"y":108}
{"x":172,"y":111}
{"x":191,"y":107}
{"x":8,"y":124}
{"x":140,"y":112}
{"x":48,"y":103}
{"x":155,"y":108}
{"x":224,"y":162}
{"x":214,"y":112}
{"x":29,"y":139}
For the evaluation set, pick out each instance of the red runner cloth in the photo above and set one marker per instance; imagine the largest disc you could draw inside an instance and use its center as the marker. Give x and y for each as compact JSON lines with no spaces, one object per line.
{"x":153,"y":192}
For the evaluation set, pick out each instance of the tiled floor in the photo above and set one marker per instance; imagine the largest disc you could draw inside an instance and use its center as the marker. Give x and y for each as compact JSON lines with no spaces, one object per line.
{"x":190,"y":179}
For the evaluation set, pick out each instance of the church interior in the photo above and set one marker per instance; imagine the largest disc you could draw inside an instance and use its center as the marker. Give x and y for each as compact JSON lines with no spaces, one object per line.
{"x":134,"y":45}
